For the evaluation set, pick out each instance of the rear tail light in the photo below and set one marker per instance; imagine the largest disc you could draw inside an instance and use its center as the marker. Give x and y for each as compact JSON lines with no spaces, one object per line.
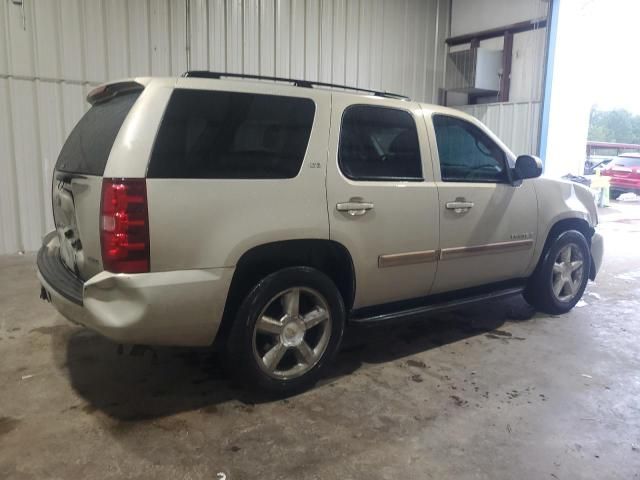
{"x":124,"y":225}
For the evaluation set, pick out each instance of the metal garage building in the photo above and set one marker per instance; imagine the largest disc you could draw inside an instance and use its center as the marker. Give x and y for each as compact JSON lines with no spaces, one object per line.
{"x":53,"y":52}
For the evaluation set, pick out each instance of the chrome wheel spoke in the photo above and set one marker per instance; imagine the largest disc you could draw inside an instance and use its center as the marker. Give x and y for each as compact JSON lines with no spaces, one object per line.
{"x":272,"y":358}
{"x":568,"y":273}
{"x":291,"y":302}
{"x":304,"y":354}
{"x":558,"y":285}
{"x":269,"y":325}
{"x":281,"y":346}
{"x":315,"y":317}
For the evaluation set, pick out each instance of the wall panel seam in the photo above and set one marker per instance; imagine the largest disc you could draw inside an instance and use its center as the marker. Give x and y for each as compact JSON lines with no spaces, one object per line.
{"x":83,"y":44}
{"x":14,"y":173}
{"x":38,"y":141}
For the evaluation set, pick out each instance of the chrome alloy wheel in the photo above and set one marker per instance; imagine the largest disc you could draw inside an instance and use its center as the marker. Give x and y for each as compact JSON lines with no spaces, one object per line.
{"x":568,"y":273}
{"x":292,"y":333}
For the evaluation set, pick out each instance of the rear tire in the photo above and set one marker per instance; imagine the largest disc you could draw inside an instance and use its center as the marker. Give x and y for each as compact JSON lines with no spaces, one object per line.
{"x":560,"y":278}
{"x":286,"y":332}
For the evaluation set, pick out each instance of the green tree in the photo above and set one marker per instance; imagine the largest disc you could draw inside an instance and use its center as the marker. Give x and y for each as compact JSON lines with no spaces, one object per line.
{"x":617,"y":125}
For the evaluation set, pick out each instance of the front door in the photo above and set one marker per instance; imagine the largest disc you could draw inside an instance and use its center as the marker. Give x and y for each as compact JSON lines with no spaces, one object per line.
{"x":487,"y":225}
{"x":382,"y":200}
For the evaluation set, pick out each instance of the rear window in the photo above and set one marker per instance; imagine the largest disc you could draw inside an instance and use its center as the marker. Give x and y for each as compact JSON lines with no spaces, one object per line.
{"x":87,"y":149}
{"x":213,"y":134}
{"x":626,"y":162}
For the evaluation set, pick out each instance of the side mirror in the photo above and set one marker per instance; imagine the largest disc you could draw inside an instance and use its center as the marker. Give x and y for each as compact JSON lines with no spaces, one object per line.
{"x":527,"y":166}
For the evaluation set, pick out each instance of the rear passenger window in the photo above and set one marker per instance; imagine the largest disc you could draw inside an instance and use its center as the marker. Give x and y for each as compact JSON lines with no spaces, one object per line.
{"x":379,"y":143}
{"x":214,"y":134}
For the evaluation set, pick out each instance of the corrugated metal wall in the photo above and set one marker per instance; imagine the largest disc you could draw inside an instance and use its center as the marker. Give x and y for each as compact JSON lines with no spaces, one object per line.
{"x":517,"y":124}
{"x":46,"y":69}
{"x":67,"y":46}
{"x":389,"y":45}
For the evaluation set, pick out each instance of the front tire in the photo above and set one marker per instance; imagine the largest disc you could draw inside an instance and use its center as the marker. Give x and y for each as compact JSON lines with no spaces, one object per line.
{"x":560,"y":279}
{"x":286,"y":332}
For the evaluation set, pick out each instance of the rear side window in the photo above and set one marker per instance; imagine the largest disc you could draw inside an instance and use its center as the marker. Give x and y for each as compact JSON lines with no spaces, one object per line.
{"x":379,"y":143}
{"x":213,"y":134}
{"x":87,"y":149}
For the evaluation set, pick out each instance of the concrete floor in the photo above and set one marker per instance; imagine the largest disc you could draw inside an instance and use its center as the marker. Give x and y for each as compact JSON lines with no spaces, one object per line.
{"x":486,"y":393}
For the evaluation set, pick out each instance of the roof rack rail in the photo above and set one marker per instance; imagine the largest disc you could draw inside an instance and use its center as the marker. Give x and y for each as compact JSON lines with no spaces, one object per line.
{"x":297,"y":83}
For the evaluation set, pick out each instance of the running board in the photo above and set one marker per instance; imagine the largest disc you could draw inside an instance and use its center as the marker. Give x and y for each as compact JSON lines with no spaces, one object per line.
{"x":416,"y":313}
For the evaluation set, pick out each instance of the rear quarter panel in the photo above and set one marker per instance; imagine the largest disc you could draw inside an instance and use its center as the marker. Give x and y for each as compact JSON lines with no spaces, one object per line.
{"x":209,"y":223}
{"x":127,"y":158}
{"x":131,"y":150}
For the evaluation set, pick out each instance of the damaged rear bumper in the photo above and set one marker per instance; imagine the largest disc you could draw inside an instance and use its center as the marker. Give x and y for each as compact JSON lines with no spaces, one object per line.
{"x":162,"y":308}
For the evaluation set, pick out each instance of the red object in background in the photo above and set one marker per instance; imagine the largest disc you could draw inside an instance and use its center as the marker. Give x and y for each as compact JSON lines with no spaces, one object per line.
{"x":624,"y":172}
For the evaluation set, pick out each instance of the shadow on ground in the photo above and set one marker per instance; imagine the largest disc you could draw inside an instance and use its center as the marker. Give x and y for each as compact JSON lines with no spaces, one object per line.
{"x":134,"y":384}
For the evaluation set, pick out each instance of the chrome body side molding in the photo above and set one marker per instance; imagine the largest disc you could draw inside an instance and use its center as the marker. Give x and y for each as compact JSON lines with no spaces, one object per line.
{"x":397,"y":259}
{"x":500,"y":247}
{"x":425,"y":256}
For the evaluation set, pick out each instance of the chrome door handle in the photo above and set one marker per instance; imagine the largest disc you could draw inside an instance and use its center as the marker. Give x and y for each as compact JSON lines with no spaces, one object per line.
{"x":459,"y":206}
{"x":355,"y":209}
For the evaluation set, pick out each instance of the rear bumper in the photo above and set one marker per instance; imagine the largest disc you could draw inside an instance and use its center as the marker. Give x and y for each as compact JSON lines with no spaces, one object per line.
{"x":163,"y":308}
{"x":625,"y":186}
{"x":53,"y":272}
{"x":597,"y":253}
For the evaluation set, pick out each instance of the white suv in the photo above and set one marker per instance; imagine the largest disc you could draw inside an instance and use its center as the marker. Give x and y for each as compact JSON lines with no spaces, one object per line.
{"x":268,"y":215}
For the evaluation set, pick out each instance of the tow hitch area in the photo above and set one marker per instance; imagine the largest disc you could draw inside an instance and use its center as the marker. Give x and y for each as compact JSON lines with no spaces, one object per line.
{"x":44,"y":295}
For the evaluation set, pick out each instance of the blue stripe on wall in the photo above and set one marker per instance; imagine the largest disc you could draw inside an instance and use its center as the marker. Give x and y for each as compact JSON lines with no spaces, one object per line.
{"x":548,"y":81}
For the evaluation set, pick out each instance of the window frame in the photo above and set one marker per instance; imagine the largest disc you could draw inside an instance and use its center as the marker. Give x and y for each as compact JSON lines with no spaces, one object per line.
{"x":508,"y":176}
{"x":378,"y":178}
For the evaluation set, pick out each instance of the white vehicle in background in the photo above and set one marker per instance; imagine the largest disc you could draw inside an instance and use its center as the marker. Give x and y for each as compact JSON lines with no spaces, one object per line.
{"x":268,"y":215}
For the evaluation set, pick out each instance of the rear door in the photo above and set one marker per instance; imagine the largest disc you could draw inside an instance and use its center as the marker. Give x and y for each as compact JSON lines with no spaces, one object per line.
{"x":382,"y":201}
{"x":77,"y":178}
{"x":488,"y":226}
